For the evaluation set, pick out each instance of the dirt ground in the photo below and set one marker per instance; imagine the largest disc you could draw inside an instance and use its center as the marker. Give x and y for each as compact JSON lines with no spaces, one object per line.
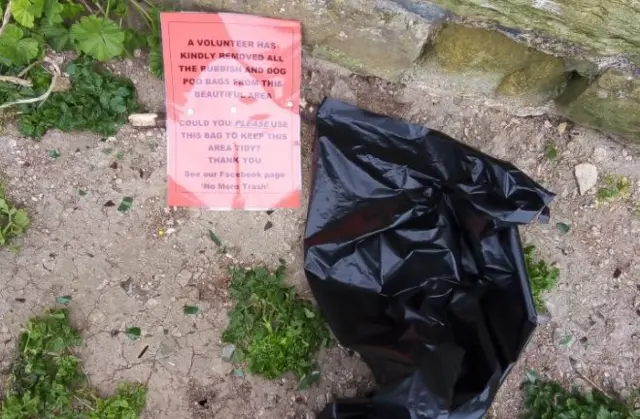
{"x":140,"y":268}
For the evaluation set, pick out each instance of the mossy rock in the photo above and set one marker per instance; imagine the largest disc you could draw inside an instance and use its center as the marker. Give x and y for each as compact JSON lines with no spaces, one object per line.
{"x":611,"y":104}
{"x":605,"y":27}
{"x":374,"y":37}
{"x":495,"y":64}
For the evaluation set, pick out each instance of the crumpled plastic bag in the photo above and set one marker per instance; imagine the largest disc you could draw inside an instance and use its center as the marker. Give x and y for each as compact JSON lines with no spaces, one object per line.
{"x":413,"y":254}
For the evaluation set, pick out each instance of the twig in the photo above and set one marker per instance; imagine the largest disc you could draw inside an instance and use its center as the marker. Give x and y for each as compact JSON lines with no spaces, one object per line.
{"x":28,"y":68}
{"x":100,"y":7}
{"x":87,"y":6}
{"x":16,"y":80}
{"x":588,"y":380}
{"x":83,"y":402}
{"x":145,"y":15}
{"x":5,"y":19}
{"x":43,"y":97}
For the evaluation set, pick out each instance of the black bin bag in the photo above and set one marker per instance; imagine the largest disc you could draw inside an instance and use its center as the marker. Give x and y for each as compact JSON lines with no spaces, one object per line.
{"x":413,"y":254}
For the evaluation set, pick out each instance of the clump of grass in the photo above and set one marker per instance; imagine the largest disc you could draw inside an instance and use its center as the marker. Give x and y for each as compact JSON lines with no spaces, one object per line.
{"x":273,"y":329}
{"x":542,"y":276}
{"x":549,"y":400}
{"x":613,"y":187}
{"x":46,"y":379}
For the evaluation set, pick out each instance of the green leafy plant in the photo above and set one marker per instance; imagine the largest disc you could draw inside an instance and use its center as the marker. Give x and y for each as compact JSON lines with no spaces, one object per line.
{"x":47,"y":382}
{"x":98,"y":101}
{"x":542,"y":276}
{"x":549,"y":400}
{"x":93,"y":27}
{"x":30,"y":29}
{"x":273,"y":329}
{"x":13,"y":221}
{"x":613,"y":187}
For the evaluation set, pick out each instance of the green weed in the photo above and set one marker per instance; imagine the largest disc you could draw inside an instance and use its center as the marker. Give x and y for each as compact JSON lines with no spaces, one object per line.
{"x":273,"y":329}
{"x":549,"y":400}
{"x":47,"y":382}
{"x":614,"y":187}
{"x":98,"y":102}
{"x":13,"y":221}
{"x":94,"y":28}
{"x":542,"y":276}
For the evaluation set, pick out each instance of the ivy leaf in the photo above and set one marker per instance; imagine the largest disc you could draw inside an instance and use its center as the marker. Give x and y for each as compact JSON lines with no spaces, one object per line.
{"x":22,"y":12}
{"x":133,"y":333}
{"x":191,"y":310}
{"x":53,"y":11}
{"x":64,"y":299}
{"x":98,"y":37}
{"x":53,"y":154}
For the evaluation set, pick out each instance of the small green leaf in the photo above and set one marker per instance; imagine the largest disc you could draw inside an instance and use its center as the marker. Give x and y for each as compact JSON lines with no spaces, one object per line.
{"x":551,"y":152}
{"x":531,"y":376}
{"x":53,"y":11}
{"x":563,"y":228}
{"x":22,"y":12}
{"x":98,"y":37}
{"x":58,"y":37}
{"x":153,"y":147}
{"x":191,"y":310}
{"x":120,"y":155}
{"x":107,"y":151}
{"x":21,"y":219}
{"x":310,"y":314}
{"x":215,"y":238}
{"x":238,"y":372}
{"x":64,"y":299}
{"x":133,"y":333}
{"x":566,"y":339}
{"x":53,"y":154}
{"x":82,"y":192}
{"x":308,"y":380}
{"x":125,"y":204}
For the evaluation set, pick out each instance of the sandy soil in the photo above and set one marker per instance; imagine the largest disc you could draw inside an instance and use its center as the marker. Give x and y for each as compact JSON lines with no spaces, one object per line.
{"x":121,"y":272}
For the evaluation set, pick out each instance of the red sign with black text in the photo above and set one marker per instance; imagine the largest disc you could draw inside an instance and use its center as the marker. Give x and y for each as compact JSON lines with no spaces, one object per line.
{"x":232,"y":97}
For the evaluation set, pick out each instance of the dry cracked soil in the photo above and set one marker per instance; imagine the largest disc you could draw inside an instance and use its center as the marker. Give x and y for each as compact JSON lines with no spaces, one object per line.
{"x":141,"y":267}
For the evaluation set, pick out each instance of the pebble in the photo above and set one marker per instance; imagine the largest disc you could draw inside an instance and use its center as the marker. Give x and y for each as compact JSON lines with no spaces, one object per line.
{"x":227,"y":352}
{"x":184,"y":277}
{"x":562,"y":128}
{"x":586,"y":176}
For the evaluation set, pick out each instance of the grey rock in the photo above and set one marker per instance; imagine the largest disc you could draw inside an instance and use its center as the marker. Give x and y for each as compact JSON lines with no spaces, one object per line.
{"x":227,"y":352}
{"x":586,"y":176}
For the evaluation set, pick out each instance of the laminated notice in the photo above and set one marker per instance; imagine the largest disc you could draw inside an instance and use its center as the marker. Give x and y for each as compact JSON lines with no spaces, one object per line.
{"x":232,"y":100}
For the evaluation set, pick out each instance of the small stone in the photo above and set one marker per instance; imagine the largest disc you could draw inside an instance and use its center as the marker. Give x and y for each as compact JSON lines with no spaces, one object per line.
{"x":586,"y":176}
{"x":547,"y":124}
{"x":151,"y":303}
{"x":341,"y":90}
{"x":137,"y":53}
{"x":184,"y":277}
{"x":562,"y":128}
{"x":111,"y":139}
{"x":227,"y":352}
